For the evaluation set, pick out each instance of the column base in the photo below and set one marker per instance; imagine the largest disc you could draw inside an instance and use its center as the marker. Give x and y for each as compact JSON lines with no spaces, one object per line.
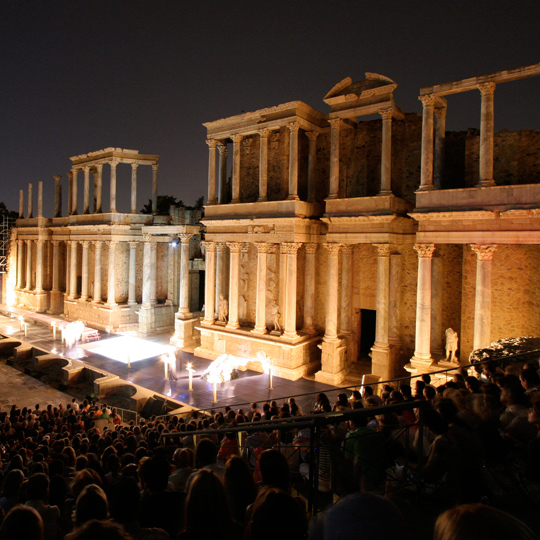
{"x":262,"y":330}
{"x":262,"y":199}
{"x":385,"y":361}
{"x":293,"y":198}
{"x":292,"y":335}
{"x":186,"y":335}
{"x":232,"y":326}
{"x":333,"y":362}
{"x":487,"y":182}
{"x":184,"y":315}
{"x":429,"y":187}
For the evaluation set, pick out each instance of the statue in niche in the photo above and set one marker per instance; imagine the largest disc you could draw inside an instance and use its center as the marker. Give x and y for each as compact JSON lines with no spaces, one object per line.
{"x":276,"y":316}
{"x":223,"y":310}
{"x":451,"y":345}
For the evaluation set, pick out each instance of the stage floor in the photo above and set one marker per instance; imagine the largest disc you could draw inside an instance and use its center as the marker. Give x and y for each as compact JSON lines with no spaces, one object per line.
{"x":146,"y":369}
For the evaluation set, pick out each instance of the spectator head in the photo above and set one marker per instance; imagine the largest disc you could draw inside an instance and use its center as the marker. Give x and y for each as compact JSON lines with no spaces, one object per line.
{"x":154,"y":473}
{"x":529,"y":378}
{"x":473,"y":384}
{"x":426,"y":378}
{"x":12,"y":483}
{"x":274,"y":469}
{"x":182,"y":458}
{"x":430,"y":393}
{"x":22,"y":523}
{"x":367,"y":391}
{"x":91,"y":504}
{"x":38,"y":487}
{"x":104,"y":530}
{"x":205,"y":453}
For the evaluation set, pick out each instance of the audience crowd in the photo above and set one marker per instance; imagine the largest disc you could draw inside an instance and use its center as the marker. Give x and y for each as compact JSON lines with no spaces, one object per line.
{"x":76,"y":471}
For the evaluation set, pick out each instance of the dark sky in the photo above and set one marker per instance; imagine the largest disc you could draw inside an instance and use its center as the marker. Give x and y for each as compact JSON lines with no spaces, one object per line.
{"x":78,"y":76}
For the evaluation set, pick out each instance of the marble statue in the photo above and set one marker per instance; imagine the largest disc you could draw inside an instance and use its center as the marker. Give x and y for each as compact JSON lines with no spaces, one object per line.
{"x":276,"y":316}
{"x":223,"y":311}
{"x":451,"y":345}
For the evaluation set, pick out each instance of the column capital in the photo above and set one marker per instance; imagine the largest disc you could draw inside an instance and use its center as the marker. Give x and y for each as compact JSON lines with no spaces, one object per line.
{"x":293,"y":127}
{"x":347,"y":248}
{"x":97,"y":243}
{"x":75,"y":171}
{"x":312,"y":135}
{"x":99,"y":167}
{"x":134,"y":166}
{"x":236,"y":138}
{"x":86,"y":169}
{"x":333,"y":247}
{"x":133,"y":245}
{"x":155,"y":167}
{"x":440,"y":113}
{"x":290,"y":248}
{"x":212,"y":143}
{"x":222,"y":149}
{"x":221,"y":247}
{"x":147,"y":238}
{"x":427,"y":101}
{"x":263,"y":247}
{"x":335,"y":123}
{"x":264,"y":133}
{"x":386,"y":114}
{"x":487,"y":88}
{"x":40,"y":242}
{"x":57,"y":177}
{"x":113,"y":163}
{"x":209,"y":246}
{"x":484,"y":252}
{"x":55,"y":243}
{"x":234,"y":246}
{"x":111,"y":244}
{"x":185,"y":238}
{"x":244,"y":247}
{"x":425,"y":251}
{"x":85,"y":243}
{"x":383,"y":250}
{"x":311,"y":248}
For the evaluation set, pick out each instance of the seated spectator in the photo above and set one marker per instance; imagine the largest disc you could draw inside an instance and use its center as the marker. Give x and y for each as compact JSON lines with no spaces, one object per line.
{"x":91,"y":504}
{"x":356,"y":400}
{"x":37,"y":491}
{"x":367,"y":391}
{"x":530,"y":380}
{"x":274,"y":470}
{"x":342,"y":403}
{"x":228,"y":448}
{"x":104,"y":530}
{"x":239,"y":487}
{"x":183,"y":460}
{"x":10,"y":490}
{"x":22,"y":523}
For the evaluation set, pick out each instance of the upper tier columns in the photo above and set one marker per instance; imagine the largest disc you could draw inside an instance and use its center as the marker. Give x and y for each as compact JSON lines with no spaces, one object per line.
{"x":28,"y":284}
{"x":56,"y":266}
{"x":236,"y":139}
{"x":97,"y":271}
{"x":183,"y":307}
{"x":86,"y":199}
{"x":70,"y":193}
{"x":234,"y":281}
{"x":74,"y":192}
{"x":57,"y":196}
{"x":111,"y":281}
{"x":332,"y":298}
{"x":40,"y":200}
{"x":312,"y":136}
{"x":260,"y":307}
{"x":113,"y":165}
{"x":336,"y":124}
{"x":84,"y":284}
{"x":426,"y":171}
{"x":263,"y":165}
{"x":290,"y":249}
{"x":210,"y":283}
{"x":39,"y":265}
{"x":98,"y":188}
{"x":132,"y":276}
{"x":482,"y":303}
{"x":154,"y":188}
{"x":30,"y":201}
{"x":440,"y":133}
{"x":423,"y":302}
{"x":212,"y":143}
{"x":294,"y":128}
{"x":20,"y":259}
{"x":223,"y":153}
{"x":134,"y":187}
{"x":309,"y":288}
{"x":21,"y":203}
{"x":386,"y":152}
{"x":487,"y":124}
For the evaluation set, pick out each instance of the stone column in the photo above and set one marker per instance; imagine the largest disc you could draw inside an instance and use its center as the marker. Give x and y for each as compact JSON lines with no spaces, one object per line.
{"x":30,"y":201}
{"x":153,"y":273}
{"x":336,"y":124}
{"x":97,"y":271}
{"x":312,"y":158}
{"x":70,"y":193}
{"x":383,"y":297}
{"x":440,"y":134}
{"x":183,"y":307}
{"x":171,"y":274}
{"x":39,"y":266}
{"x":57,"y":197}
{"x":236,"y":139}
{"x":112,"y":207}
{"x":20,"y":259}
{"x":67,"y":267}
{"x":147,"y":264}
{"x":426,"y":171}
{"x":73,"y":271}
{"x":56,"y":266}
{"x":28,"y":285}
{"x":394,"y":301}
{"x":40,"y":200}
{"x":222,"y":149}
{"x":86,"y":201}
{"x":210,"y":283}
{"x":482,"y":302}
{"x":386,"y":152}
{"x":98,"y":188}
{"x":111,"y":275}
{"x":222,"y":285}
{"x":134,"y":187}
{"x":294,"y":128}
{"x":291,"y":250}
{"x":346,"y":293}
{"x":212,"y":143}
{"x":260,"y":307}
{"x":423,"y":302}
{"x":74,"y":194}
{"x":154,"y":188}
{"x":309,"y":288}
{"x":84,"y":282}
{"x":332,"y":299}
{"x":132,"y":276}
{"x":487,"y":125}
{"x":263,"y":164}
{"x":21,"y":203}
{"x":234,"y":282}
{"x":437,"y":334}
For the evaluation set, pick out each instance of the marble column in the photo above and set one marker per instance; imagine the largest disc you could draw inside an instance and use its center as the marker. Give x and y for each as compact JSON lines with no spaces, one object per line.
{"x":332,"y":295}
{"x":212,"y":144}
{"x":440,"y":135}
{"x":394,"y":302}
{"x":437,"y":333}
{"x":111,"y":275}
{"x":309,"y":288}
{"x":84,"y":282}
{"x":426,"y":169}
{"x":134,"y":187}
{"x":234,"y":282}
{"x":74,"y":193}
{"x":260,"y":306}
{"x":335,"y":124}
{"x":236,"y":139}
{"x":154,"y":188}
{"x":482,"y":301}
{"x":30,"y":201}
{"x":222,"y":282}
{"x":70,"y":193}
{"x":294,"y":129}
{"x":171,"y":273}
{"x":28,"y":284}
{"x":57,"y":196}
{"x":86,"y":200}
{"x":487,"y":125}
{"x":291,"y":249}
{"x":423,"y":302}
{"x":263,"y":164}
{"x":312,"y":159}
{"x":20,"y":259}
{"x":183,"y":307}
{"x":56,"y":266}
{"x":98,"y":188}
{"x":67,"y":267}
{"x":73,"y":271}
{"x":386,"y":152}
{"x":39,"y":266}
{"x":210,"y":282}
{"x":346,"y":292}
{"x":112,"y":207}
{"x":153,"y":273}
{"x":222,"y":195}
{"x":21,"y":203}
{"x":383,"y":297}
{"x":97,"y":271}
{"x":40,"y":200}
{"x":147,"y":263}
{"x":132,"y":275}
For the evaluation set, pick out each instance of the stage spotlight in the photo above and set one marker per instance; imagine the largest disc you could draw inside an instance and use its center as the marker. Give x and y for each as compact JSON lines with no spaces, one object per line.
{"x":175,"y":241}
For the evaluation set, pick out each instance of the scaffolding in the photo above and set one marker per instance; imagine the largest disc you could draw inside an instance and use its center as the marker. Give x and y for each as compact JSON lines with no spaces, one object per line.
{"x":6,"y":223}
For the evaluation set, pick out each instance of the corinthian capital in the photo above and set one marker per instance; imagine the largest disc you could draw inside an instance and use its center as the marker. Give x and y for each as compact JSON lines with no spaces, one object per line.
{"x":234,"y":247}
{"x":293,"y":127}
{"x":264,"y":133}
{"x":333,"y":248}
{"x":212,"y":143}
{"x":311,"y":248}
{"x":222,"y":149}
{"x":484,"y":252}
{"x":425,"y":251}
{"x":209,"y":246}
{"x":336,"y":123}
{"x":290,"y":248}
{"x":312,"y":135}
{"x":236,"y":138}
{"x":487,"y":88}
{"x":383,"y":250}
{"x":427,"y":101}
{"x":386,"y":114}
{"x":264,"y":247}
{"x":185,"y":238}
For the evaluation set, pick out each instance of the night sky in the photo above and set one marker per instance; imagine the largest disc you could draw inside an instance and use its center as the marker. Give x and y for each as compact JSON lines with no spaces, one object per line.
{"x":78,"y":76}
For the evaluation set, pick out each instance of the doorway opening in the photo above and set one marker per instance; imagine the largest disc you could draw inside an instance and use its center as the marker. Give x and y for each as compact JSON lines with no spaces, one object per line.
{"x":367,"y":331}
